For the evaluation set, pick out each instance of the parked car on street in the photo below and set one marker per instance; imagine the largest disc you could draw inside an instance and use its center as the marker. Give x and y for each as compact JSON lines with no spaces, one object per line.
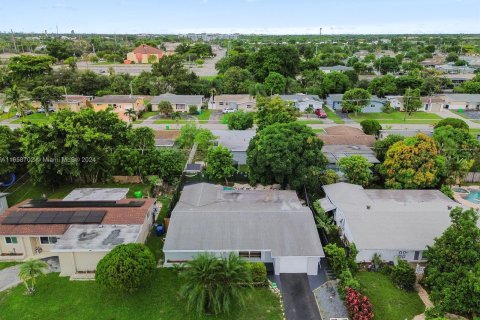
{"x":321,"y":113}
{"x":229,"y":110}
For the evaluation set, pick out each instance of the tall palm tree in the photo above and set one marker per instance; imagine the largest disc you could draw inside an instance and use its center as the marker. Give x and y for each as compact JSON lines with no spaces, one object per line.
{"x":17,"y":98}
{"x":131,"y":114}
{"x":215,"y":285}
{"x":29,"y":271}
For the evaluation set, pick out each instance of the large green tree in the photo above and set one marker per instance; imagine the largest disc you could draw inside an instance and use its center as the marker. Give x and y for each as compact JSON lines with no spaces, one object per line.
{"x":16,"y":97}
{"x":355,"y":100}
{"x":453,"y":269}
{"x":381,"y":146}
{"x":215,"y":285}
{"x":288,"y":154}
{"x":357,"y":169}
{"x":46,"y":95}
{"x":414,"y":163}
{"x":411,"y":101}
{"x":274,"y":110}
{"x":275,"y":83}
{"x":28,"y":66}
{"x":220,"y":163}
{"x":283,"y":59}
{"x":7,"y":143}
{"x":236,"y":80}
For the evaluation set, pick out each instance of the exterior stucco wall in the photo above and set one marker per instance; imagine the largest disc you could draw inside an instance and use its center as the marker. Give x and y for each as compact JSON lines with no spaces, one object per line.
{"x":3,"y":204}
{"x":389,"y":255}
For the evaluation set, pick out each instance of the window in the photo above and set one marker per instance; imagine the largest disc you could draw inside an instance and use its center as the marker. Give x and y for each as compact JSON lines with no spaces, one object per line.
{"x":11,"y":240}
{"x":250,"y":254}
{"x":48,"y":240}
{"x":372,"y":106}
{"x":180,"y":106}
{"x":220,"y":103}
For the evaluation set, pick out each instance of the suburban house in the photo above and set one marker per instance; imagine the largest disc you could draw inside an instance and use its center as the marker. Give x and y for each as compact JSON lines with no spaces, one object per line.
{"x":403,"y":132}
{"x":179,"y":103}
{"x":144,"y":54}
{"x":376,"y":104}
{"x":392,"y":223}
{"x":69,"y":102}
{"x":270,"y":226}
{"x":119,"y":104}
{"x":303,"y":101}
{"x":334,"y":153}
{"x":453,"y":69}
{"x":456,"y":101}
{"x":337,"y":68}
{"x":434,"y":103}
{"x":236,"y":141}
{"x":458,"y":79}
{"x":3,"y":202}
{"x":79,"y":232}
{"x":243,"y":102}
{"x":346,"y":136}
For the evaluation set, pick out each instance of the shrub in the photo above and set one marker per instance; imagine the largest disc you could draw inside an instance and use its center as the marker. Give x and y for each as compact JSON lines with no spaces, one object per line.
{"x":258,"y":272}
{"x":126,"y":267}
{"x":434,"y":313}
{"x":372,"y":127}
{"x":192,"y":110}
{"x":240,"y":120}
{"x":387,"y":108}
{"x":446,"y":190}
{"x":347,"y":281}
{"x":403,"y":275}
{"x":454,"y":122}
{"x":359,"y":306}
{"x":149,"y":107}
{"x":337,"y":258}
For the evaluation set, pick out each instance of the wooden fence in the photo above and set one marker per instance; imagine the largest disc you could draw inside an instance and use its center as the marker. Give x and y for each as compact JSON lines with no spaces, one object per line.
{"x":472,"y":177}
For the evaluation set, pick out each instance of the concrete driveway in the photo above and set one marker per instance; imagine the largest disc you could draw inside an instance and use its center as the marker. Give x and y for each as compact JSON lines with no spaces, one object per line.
{"x":9,"y":277}
{"x":298,"y":298}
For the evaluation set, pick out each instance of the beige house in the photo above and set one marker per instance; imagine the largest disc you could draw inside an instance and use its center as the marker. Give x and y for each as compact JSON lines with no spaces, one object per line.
{"x":79,"y":233}
{"x":120,"y":104}
{"x":243,"y":102}
{"x":144,"y":54}
{"x":432,"y":103}
{"x":69,"y":102}
{"x":456,"y":101}
{"x":179,"y":102}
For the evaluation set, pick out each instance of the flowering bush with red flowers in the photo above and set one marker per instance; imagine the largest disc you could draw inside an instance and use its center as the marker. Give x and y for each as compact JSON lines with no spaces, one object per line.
{"x":358,"y":305}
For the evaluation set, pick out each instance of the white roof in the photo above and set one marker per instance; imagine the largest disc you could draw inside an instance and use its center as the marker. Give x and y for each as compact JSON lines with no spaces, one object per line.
{"x":92,"y":194}
{"x":391,"y":219}
{"x":235,"y":140}
{"x":208,"y":218}
{"x":94,"y":237}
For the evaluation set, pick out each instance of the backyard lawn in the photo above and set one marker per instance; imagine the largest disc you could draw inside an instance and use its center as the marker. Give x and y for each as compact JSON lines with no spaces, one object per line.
{"x":204,"y":115}
{"x":333,"y":116}
{"x":35,"y":118}
{"x":25,"y":189}
{"x":397,"y":117}
{"x":60,"y":298}
{"x":309,"y":121}
{"x":389,"y":302}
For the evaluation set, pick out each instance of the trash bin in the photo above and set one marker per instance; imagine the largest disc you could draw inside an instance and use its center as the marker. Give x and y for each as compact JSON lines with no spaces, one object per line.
{"x":167,"y":126}
{"x":159,"y":230}
{"x":138,"y":194}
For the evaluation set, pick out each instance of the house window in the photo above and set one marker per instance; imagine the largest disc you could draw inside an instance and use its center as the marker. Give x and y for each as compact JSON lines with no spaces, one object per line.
{"x":220,"y":103}
{"x":372,"y":106}
{"x":180,"y":106}
{"x":11,"y":240}
{"x":48,"y":240}
{"x":250,"y":254}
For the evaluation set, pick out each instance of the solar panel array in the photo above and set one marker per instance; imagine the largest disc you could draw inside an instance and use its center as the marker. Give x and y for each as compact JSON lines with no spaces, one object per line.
{"x":82,"y":204}
{"x":55,"y":217}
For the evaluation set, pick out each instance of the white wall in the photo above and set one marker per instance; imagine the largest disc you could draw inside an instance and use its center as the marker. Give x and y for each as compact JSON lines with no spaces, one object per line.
{"x":3,"y":204}
{"x":389,"y":255}
{"x":308,"y":265}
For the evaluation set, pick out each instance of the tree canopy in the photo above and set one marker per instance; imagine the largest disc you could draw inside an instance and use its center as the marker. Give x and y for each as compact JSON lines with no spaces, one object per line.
{"x":274,"y":110}
{"x":288,"y":154}
{"x":220,"y":163}
{"x":357,"y":169}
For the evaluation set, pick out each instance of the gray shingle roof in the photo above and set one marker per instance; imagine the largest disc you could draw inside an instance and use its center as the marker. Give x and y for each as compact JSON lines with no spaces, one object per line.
{"x":210,"y":218}
{"x":335,"y":152}
{"x":178,"y":98}
{"x":337,"y":68}
{"x":235,"y":140}
{"x":395,"y":219}
{"x":115,"y":99}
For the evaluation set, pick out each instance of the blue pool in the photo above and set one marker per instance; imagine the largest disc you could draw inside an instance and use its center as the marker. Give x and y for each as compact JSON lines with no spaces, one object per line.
{"x":473,"y":196}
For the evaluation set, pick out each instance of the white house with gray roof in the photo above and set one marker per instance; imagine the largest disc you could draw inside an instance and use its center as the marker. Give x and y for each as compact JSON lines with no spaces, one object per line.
{"x":236,"y":141}
{"x":180,"y":102}
{"x":302,"y":101}
{"x":393,"y":223}
{"x":337,"y":68}
{"x":269,"y":226}
{"x":375,"y":104}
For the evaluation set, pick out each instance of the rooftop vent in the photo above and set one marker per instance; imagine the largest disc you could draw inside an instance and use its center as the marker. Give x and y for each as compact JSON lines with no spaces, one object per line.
{"x":368,"y":207}
{"x":355,"y":147}
{"x":449,"y":207}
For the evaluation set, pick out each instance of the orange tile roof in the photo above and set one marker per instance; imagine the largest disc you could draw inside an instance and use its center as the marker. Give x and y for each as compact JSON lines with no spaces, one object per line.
{"x":146,"y":49}
{"x":115,"y":215}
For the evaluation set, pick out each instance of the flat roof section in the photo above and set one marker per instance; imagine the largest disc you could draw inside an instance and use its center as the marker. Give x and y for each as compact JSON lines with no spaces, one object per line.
{"x":89,"y":194}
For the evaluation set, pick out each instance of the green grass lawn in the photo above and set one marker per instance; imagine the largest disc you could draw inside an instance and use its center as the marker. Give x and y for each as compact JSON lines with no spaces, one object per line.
{"x":25,"y":189}
{"x":321,"y":131}
{"x":170,"y":121}
{"x":210,"y":78}
{"x":4,"y":265}
{"x":148,"y":114}
{"x":333,"y":116}
{"x":204,"y":115}
{"x":35,"y":118}
{"x":60,"y":298}
{"x":397,"y":117}
{"x":310,"y":121}
{"x":6,"y":116}
{"x":389,"y":302}
{"x":475,"y":131}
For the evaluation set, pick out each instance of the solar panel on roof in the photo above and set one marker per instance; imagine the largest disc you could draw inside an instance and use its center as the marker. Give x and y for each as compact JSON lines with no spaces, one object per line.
{"x":79,"y":217}
{"x":63,"y":217}
{"x":44,"y":220}
{"x":29,"y":218}
{"x":11,"y":220}
{"x":95,"y":217}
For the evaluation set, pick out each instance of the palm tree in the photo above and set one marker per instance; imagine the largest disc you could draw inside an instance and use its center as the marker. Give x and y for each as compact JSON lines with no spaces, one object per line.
{"x":17,"y":98}
{"x":323,"y":221}
{"x":29,"y":271}
{"x":131,"y":114}
{"x":215,"y":285}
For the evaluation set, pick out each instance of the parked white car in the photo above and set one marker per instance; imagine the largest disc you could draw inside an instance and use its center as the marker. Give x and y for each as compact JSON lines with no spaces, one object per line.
{"x":229,"y":110}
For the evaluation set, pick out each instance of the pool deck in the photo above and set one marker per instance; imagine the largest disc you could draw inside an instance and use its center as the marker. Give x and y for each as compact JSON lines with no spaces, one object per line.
{"x":457,"y":196}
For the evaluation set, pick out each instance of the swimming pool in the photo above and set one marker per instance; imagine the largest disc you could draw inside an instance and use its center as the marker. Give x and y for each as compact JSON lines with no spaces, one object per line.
{"x":460,"y":190}
{"x":473,"y":196}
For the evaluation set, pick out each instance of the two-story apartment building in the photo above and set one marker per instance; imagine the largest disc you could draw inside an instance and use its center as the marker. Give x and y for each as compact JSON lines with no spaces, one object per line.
{"x":119,"y":104}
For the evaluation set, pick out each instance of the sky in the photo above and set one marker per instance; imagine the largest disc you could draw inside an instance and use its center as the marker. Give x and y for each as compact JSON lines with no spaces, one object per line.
{"x":242,"y":16}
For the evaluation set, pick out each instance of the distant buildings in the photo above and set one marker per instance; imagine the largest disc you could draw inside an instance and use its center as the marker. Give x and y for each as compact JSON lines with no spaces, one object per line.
{"x":209,"y":36}
{"x":144,"y":54}
{"x":337,"y":68}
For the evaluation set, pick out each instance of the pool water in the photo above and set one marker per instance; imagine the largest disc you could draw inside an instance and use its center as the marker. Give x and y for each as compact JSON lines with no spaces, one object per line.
{"x":460,"y":190}
{"x":473,"y":197}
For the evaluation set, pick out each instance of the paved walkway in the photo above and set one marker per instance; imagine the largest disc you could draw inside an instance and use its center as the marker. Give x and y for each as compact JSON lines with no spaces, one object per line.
{"x":449,"y":114}
{"x":9,"y":277}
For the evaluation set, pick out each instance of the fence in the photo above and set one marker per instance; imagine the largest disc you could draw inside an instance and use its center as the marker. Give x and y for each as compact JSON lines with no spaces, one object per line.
{"x":472,"y":177}
{"x":127,"y":179}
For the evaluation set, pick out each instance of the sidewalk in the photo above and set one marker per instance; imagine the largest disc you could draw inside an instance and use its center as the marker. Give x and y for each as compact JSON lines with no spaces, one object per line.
{"x":449,"y":114}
